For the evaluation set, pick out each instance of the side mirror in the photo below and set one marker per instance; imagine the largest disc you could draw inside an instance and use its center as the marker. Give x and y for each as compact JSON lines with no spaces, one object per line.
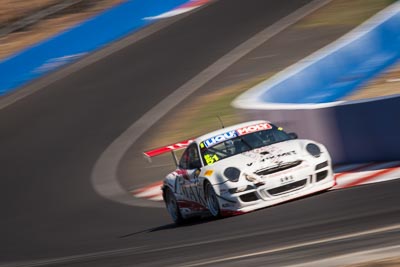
{"x":197,"y":172}
{"x":195,"y":165}
{"x":293,"y":135}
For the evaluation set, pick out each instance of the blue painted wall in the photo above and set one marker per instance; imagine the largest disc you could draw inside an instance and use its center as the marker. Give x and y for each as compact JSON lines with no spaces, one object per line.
{"x":342,"y":71}
{"x":80,"y":40}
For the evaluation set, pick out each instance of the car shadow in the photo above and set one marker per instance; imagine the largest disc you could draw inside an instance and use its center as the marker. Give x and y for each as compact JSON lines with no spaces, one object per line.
{"x":188,"y":223}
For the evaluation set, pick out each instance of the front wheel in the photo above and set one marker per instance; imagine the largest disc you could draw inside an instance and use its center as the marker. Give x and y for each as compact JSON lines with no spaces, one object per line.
{"x":212,"y":200}
{"x":173,"y":207}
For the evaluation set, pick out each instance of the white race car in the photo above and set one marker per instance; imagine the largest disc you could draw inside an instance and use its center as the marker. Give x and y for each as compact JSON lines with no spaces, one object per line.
{"x":242,"y":168}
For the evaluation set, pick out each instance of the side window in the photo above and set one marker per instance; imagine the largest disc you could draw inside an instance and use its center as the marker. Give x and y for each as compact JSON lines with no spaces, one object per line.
{"x":190,"y":158}
{"x":194,"y":159}
{"x":184,"y":162}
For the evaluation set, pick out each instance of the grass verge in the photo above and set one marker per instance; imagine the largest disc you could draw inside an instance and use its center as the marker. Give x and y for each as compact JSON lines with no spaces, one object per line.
{"x":345,"y":12}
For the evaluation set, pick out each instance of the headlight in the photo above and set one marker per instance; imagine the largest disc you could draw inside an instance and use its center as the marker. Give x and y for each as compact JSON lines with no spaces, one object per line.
{"x":257,"y":182}
{"x":240,"y":189}
{"x":232,"y":174}
{"x":314,"y":150}
{"x":250,"y":178}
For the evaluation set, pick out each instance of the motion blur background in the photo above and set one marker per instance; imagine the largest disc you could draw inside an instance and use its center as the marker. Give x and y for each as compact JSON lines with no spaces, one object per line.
{"x":47,"y":166}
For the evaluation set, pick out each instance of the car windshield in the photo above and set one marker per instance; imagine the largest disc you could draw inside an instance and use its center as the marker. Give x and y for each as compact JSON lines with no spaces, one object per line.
{"x":240,"y":144}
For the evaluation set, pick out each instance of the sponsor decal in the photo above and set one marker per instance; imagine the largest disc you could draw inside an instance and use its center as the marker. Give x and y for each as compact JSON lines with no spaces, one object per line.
{"x":194,"y":194}
{"x":284,"y":154}
{"x":259,"y":154}
{"x":253,"y":128}
{"x":220,"y":138}
{"x":232,"y":134}
{"x":208,"y":172}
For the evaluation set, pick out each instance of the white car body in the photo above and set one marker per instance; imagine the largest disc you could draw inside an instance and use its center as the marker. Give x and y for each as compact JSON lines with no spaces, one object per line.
{"x":257,"y":178}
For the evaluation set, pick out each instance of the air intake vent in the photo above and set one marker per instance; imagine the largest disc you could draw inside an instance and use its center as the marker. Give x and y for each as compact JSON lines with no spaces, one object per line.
{"x":278,"y":168}
{"x":289,"y":187}
{"x":322,"y":175}
{"x":249,"y":197}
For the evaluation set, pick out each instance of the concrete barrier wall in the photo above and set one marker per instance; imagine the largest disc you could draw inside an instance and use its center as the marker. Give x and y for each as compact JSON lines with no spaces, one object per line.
{"x":370,"y":130}
{"x":353,"y":131}
{"x":357,"y":131}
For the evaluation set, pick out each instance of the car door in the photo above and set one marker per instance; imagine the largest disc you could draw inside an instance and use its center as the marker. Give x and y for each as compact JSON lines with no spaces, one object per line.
{"x":190,"y":166}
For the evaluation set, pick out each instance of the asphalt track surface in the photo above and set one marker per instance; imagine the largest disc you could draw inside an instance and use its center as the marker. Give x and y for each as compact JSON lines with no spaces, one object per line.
{"x":51,"y":140}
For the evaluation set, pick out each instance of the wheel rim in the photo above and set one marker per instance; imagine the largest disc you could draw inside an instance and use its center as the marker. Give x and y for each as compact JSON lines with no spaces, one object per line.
{"x":172,"y":206}
{"x":212,"y":200}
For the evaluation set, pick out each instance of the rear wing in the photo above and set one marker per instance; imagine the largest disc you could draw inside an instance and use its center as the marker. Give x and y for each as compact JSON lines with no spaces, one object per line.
{"x":170,"y":148}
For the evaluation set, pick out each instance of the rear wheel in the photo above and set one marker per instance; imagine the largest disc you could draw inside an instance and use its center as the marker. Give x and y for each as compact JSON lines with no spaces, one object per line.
{"x":212,"y":200}
{"x":173,"y":207}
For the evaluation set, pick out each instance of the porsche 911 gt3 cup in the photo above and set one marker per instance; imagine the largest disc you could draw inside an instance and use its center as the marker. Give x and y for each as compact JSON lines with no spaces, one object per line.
{"x":242,"y":168}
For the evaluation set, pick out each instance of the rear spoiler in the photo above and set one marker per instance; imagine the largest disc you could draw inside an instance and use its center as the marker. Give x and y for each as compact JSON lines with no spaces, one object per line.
{"x":170,"y":148}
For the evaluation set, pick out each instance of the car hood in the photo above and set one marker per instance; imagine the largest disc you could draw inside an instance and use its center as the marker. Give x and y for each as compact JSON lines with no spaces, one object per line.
{"x":279,"y":154}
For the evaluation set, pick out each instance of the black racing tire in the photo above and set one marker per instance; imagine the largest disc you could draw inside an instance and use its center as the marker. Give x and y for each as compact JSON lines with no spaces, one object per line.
{"x":212,"y":200}
{"x":173,"y":207}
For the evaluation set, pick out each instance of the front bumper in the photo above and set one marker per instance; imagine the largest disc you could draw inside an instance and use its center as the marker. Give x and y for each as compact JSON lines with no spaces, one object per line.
{"x":280,"y":187}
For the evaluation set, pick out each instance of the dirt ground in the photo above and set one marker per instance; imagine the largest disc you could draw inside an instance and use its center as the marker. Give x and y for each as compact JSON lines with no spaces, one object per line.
{"x":387,"y":83}
{"x":12,"y":10}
